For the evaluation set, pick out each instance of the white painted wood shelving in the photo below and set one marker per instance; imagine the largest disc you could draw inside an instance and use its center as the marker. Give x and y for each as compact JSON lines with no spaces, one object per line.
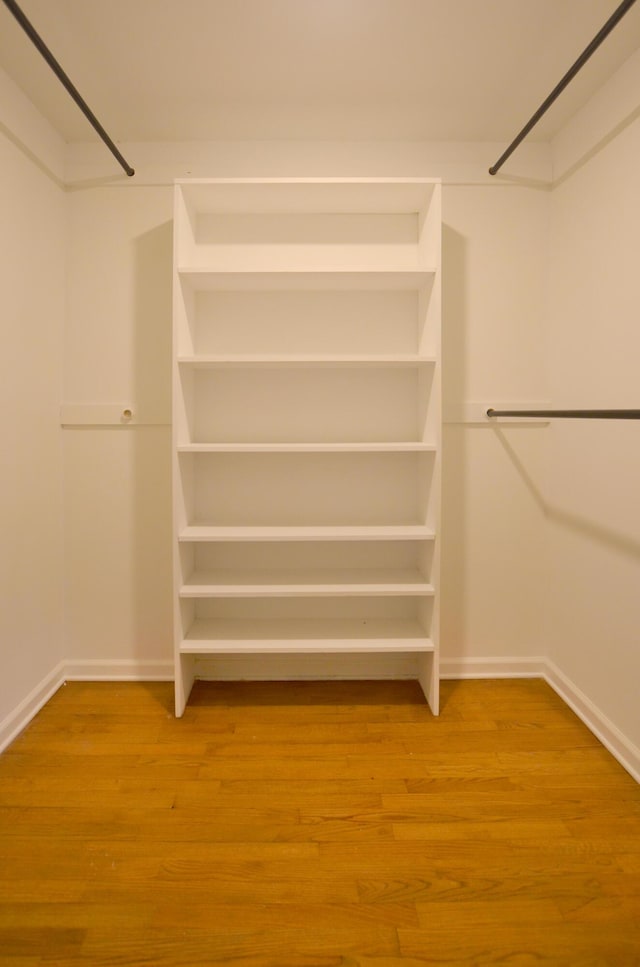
{"x":306,"y":421}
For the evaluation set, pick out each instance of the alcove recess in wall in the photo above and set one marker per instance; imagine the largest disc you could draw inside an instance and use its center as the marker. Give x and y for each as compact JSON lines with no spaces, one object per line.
{"x":306,"y":421}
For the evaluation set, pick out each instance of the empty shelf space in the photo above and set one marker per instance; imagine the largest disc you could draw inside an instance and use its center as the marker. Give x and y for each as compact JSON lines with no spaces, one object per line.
{"x":314,"y":489}
{"x":316,"y":408}
{"x":311,"y":323}
{"x":303,"y":195}
{"x":305,"y":583}
{"x":278,"y":636}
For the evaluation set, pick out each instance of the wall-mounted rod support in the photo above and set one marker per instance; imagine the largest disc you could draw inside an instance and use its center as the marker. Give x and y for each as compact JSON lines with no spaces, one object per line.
{"x":570,"y":414}
{"x":39,"y":43}
{"x":615,"y":17}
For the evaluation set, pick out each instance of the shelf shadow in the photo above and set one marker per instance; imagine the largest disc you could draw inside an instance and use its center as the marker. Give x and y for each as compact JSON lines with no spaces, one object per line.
{"x":565,"y":518}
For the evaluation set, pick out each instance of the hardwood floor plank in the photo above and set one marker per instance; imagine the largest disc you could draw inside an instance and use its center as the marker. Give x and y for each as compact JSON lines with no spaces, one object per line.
{"x":500,"y":740}
{"x":579,"y":761}
{"x":74,"y":916}
{"x":501,"y":829}
{"x":278,"y":916}
{"x":598,"y":826}
{"x":461,"y":784}
{"x":304,"y":789}
{"x":19,"y":961}
{"x":516,"y":911}
{"x":437,"y":765}
{"x":317,"y":750}
{"x":66,"y":792}
{"x":24,"y":889}
{"x":226,"y":883}
{"x":172,"y":954}
{"x":34,"y":941}
{"x":623,"y":908}
{"x":497,"y":858}
{"x":313,"y":732}
{"x":570,"y":891}
{"x":537,"y":942}
{"x":117,"y":766}
{"x":284,"y":768}
{"x":528,"y":804}
{"x":217,"y":944}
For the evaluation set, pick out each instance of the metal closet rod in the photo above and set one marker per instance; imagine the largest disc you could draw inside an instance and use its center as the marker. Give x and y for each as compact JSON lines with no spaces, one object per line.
{"x":615,"y":17}
{"x":39,"y":43}
{"x":570,"y":414}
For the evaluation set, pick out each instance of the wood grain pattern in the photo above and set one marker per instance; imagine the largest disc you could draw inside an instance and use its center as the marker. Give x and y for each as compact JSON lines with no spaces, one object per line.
{"x":316,"y":825}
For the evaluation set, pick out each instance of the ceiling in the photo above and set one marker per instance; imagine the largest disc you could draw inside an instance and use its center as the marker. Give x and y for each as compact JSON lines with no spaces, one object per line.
{"x":200,"y":70}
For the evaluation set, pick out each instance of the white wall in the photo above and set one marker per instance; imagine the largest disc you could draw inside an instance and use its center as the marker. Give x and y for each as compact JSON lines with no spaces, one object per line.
{"x":593,"y":494}
{"x":117,"y":350}
{"x":118,"y":478}
{"x":494,"y":268}
{"x":32,"y":283}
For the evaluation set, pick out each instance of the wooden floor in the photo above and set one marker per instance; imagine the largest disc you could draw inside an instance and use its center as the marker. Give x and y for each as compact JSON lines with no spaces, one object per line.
{"x":316,"y":825}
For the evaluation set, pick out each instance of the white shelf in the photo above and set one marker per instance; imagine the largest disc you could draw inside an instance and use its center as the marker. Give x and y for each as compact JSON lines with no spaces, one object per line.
{"x":393,"y":447}
{"x":278,"y":636}
{"x":393,"y":532}
{"x":303,"y":195}
{"x":305,"y":583}
{"x":211,"y":361}
{"x":208,"y":280}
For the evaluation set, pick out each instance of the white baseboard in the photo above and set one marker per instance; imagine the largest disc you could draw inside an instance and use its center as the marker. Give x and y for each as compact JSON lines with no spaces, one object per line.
{"x":117,"y":670}
{"x":492,"y":668}
{"x":627,"y":754}
{"x":131,"y":670}
{"x":16,"y":721}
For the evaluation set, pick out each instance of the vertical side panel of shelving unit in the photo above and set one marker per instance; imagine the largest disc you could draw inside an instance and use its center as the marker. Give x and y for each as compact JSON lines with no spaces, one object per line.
{"x":182,"y":390}
{"x":429,"y":329}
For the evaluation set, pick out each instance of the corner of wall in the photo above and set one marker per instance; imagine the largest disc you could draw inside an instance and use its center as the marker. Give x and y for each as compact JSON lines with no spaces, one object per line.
{"x":30,"y":132}
{"x":611,"y":109}
{"x":32,"y":235}
{"x":627,"y":754}
{"x":21,"y":715}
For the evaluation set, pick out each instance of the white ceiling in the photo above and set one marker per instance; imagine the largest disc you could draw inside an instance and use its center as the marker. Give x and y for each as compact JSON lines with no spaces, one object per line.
{"x":193,"y":70}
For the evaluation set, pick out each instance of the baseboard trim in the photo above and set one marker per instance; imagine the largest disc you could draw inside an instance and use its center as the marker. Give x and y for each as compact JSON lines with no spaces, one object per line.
{"x":455,"y":668}
{"x":132,"y":670}
{"x":118,"y":670}
{"x":627,"y":754}
{"x":17,"y":720}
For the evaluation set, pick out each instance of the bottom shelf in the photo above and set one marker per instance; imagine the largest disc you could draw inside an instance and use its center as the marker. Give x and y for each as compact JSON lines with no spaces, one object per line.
{"x":300,"y":636}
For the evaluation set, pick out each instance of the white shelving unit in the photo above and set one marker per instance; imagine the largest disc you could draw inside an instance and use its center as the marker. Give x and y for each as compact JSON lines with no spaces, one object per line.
{"x":307,"y":421}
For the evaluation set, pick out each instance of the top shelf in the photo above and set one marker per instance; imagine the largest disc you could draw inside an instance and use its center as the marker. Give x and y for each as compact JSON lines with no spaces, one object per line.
{"x":307,"y":233}
{"x":315,"y":195}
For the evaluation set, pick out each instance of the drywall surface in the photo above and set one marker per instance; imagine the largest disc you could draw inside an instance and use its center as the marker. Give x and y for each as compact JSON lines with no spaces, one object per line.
{"x":118,"y":477}
{"x":494,"y":307}
{"x":594,"y":466}
{"x":32,"y":283}
{"x":34,"y":137}
{"x":117,"y":351}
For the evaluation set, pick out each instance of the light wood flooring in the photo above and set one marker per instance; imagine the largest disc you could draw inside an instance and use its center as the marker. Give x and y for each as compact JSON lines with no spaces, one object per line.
{"x":316,"y":825}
